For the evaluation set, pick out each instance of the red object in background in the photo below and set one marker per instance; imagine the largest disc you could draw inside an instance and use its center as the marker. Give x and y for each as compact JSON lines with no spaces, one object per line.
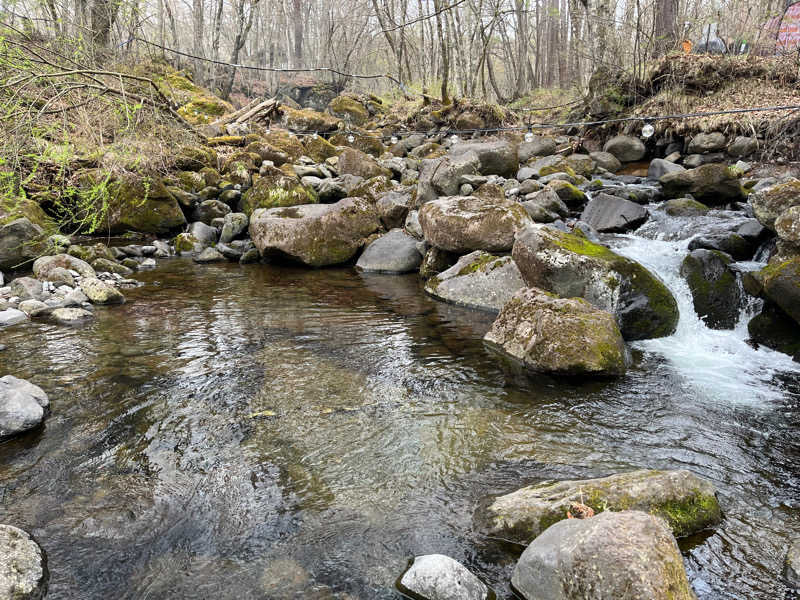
{"x":789,"y":31}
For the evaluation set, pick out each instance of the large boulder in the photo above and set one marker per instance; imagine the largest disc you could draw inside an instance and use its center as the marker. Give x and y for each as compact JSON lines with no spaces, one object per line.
{"x":613,"y":555}
{"x":742,"y":146}
{"x":316,"y":235}
{"x":20,"y":242}
{"x":395,"y":252}
{"x":545,"y":206}
{"x":466,"y":223}
{"x":23,"y":571}
{"x":792,"y":571}
{"x":712,"y":184}
{"x":43,"y":267}
{"x":497,"y":157}
{"x":625,"y":148}
{"x":775,"y":329}
{"x":349,"y":109}
{"x":611,"y":214}
{"x":715,"y":291}
{"x":780,"y":283}
{"x":23,"y":406}
{"x":770,"y":202}
{"x":27,"y":288}
{"x":355,"y":162}
{"x":569,"y":265}
{"x":729,"y":242}
{"x":442,"y":176}
{"x":558,"y":336}
{"x":538,"y":146}
{"x":275,"y":189}
{"x":606,"y":160}
{"x":687,"y":502}
{"x":659,"y":167}
{"x":141,"y":204}
{"x":478,"y":280}
{"x":439,"y":577}
{"x":393,"y":208}
{"x":704,"y":143}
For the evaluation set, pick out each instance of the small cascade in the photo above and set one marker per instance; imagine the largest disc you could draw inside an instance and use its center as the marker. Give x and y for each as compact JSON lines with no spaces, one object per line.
{"x":719,"y":364}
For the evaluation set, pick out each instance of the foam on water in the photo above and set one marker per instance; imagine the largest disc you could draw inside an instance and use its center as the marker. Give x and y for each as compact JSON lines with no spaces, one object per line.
{"x":719,"y":364}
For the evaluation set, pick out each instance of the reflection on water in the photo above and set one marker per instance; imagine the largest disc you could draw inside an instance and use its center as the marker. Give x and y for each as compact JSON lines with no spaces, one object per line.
{"x":266,"y":432}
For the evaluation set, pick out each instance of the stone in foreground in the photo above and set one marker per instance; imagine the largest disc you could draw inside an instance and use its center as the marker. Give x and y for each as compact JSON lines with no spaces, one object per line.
{"x":71,"y":316}
{"x":23,"y":406}
{"x":465,"y":223}
{"x":792,"y":571}
{"x":316,"y":235}
{"x":478,"y":280}
{"x":569,"y":265}
{"x":687,"y":502}
{"x":439,"y":577}
{"x":558,"y":336}
{"x":23,"y":575}
{"x":715,"y":291}
{"x":395,"y":252}
{"x":627,"y":554}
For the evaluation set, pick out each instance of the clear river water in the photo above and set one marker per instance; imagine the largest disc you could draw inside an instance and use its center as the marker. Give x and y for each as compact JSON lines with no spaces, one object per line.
{"x":268,"y":432}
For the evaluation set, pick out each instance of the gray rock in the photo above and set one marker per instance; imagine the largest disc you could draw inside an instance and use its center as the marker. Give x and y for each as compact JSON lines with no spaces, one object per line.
{"x":229,"y":252}
{"x":250,"y":256}
{"x":613,"y":555}
{"x":331,"y":190}
{"x":23,"y":406}
{"x":715,"y":291}
{"x":625,"y":148}
{"x":208,"y":210}
{"x":395,"y":252}
{"x":729,"y":242}
{"x":392,"y":208}
{"x":607,"y":161}
{"x":27,"y":288}
{"x":204,"y":234}
{"x":233,"y":225}
{"x":685,"y":207}
{"x":466,"y":223}
{"x":497,"y":157}
{"x":70,"y":316}
{"x":698,"y":160}
{"x":33,"y":308}
{"x":20,"y":242}
{"x":436,"y":260}
{"x":100,"y":292}
{"x":539,"y":146}
{"x":525,"y":513}
{"x":162,"y":249}
{"x":443,"y":176}
{"x":711,"y":184}
{"x":75,"y":298}
{"x":478,"y":280}
{"x":525,"y":174}
{"x":103,"y":265}
{"x":703,"y":143}
{"x":660,"y":166}
{"x":611,"y":214}
{"x":12,"y":316}
{"x":768,"y":203}
{"x":209,"y":255}
{"x":439,"y":577}
{"x":792,"y":571}
{"x":43,"y":266}
{"x":23,"y":575}
{"x":569,"y":265}
{"x":742,"y":146}
{"x":529,"y":186}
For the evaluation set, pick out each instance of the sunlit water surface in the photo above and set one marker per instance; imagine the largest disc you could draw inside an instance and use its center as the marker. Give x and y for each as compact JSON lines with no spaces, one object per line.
{"x":275,"y":433}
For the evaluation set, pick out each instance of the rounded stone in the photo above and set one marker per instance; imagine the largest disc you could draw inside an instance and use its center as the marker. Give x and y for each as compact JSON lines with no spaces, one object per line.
{"x":23,"y":571}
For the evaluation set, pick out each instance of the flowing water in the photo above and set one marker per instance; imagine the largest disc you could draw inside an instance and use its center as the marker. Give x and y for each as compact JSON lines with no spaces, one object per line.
{"x":266,"y":432}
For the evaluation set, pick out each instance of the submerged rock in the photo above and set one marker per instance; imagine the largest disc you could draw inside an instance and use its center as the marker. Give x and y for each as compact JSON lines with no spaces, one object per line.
{"x":315,"y":234}
{"x":439,"y":577}
{"x":610,"y":214}
{"x":70,"y":316}
{"x":23,"y":406}
{"x":792,"y":571}
{"x":613,"y":555}
{"x":558,"y":336}
{"x":466,"y":223}
{"x":687,"y":502}
{"x":715,"y":291}
{"x":23,"y":574}
{"x":569,"y":265}
{"x":395,"y":252}
{"x":478,"y":280}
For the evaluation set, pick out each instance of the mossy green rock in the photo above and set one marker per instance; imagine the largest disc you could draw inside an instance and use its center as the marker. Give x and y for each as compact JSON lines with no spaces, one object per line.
{"x":569,"y":265}
{"x":687,"y":502}
{"x":465,"y":223}
{"x":712,"y":184}
{"x":685,"y":207}
{"x":768,"y":204}
{"x":320,"y":149}
{"x":141,"y":204}
{"x":195,"y":158}
{"x":362,"y":140}
{"x":349,"y":110}
{"x":275,"y":189}
{"x":17,"y":207}
{"x":568,"y":193}
{"x":285,"y":142}
{"x":308,"y":120}
{"x":316,"y":235}
{"x":715,"y":291}
{"x":781,"y":284}
{"x":558,"y":336}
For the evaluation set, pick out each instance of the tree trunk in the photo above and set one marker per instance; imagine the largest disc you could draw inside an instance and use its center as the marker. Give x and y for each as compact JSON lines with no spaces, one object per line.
{"x":298,"y":32}
{"x":437,"y":7}
{"x":666,"y":26}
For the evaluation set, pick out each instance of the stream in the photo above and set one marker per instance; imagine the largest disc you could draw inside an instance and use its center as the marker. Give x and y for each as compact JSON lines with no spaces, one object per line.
{"x":267,"y":432}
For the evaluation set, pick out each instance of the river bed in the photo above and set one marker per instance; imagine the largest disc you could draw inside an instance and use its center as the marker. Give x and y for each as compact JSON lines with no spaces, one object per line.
{"x":268,"y":432}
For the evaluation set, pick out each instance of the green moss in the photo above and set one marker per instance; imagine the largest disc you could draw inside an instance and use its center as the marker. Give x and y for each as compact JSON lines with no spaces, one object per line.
{"x":226,"y":140}
{"x":684,"y":517}
{"x":485,"y":262}
{"x":559,"y":168}
{"x":349,"y":109}
{"x":184,"y":242}
{"x":276,"y":189}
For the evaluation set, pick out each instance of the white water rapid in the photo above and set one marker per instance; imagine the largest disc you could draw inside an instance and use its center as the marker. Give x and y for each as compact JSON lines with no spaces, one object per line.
{"x":718,"y":364}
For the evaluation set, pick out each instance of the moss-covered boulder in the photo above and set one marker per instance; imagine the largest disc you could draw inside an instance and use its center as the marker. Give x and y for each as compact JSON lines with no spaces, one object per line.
{"x":558,"y":336}
{"x":715,"y":292}
{"x":768,"y":204}
{"x":195,"y":158}
{"x":20,"y":242}
{"x":137,"y":203}
{"x":569,"y":194}
{"x":349,"y":109}
{"x":320,"y":149}
{"x":780,"y":283}
{"x":285,"y":142}
{"x":478,"y":280}
{"x":275,"y":189}
{"x":355,"y":162}
{"x":364,"y":141}
{"x":712,"y":184}
{"x":197,"y":104}
{"x":569,"y":265}
{"x":685,"y":207}
{"x":466,"y":223}
{"x":371,"y":190}
{"x":316,"y":235}
{"x":687,"y":502}
{"x":627,"y":554}
{"x":308,"y":120}
{"x":17,"y":207}
{"x":775,"y":329}
{"x":190,"y":181}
